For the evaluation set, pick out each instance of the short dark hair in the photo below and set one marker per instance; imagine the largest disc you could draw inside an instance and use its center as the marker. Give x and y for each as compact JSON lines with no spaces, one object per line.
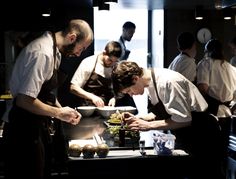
{"x":129,"y":25}
{"x":123,"y":74}
{"x":214,"y":49}
{"x":113,"y":48}
{"x":185,"y":40}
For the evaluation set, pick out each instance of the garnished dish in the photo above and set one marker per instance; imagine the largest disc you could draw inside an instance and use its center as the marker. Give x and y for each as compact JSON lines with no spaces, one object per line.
{"x":115,"y":122}
{"x":115,"y":118}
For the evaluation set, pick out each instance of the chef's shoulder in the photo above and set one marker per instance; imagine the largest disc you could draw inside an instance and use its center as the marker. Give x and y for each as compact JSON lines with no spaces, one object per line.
{"x":88,"y":62}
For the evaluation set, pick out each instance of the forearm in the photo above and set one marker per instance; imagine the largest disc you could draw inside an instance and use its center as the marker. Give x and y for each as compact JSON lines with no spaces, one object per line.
{"x":167,"y":124}
{"x":36,"y":106}
{"x":78,"y":91}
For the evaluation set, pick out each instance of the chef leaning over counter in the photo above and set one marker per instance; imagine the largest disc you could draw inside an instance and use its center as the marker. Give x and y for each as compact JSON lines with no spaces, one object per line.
{"x":92,"y":79}
{"x":176,"y":105}
{"x":35,"y":76}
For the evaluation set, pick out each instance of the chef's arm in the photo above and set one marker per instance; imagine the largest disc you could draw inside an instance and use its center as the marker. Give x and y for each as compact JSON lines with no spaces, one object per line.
{"x":78,"y":91}
{"x":168,"y":124}
{"x":36,"y":106}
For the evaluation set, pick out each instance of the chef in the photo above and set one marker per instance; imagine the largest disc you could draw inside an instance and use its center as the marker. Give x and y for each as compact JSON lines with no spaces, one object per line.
{"x":26,"y":135}
{"x":92,"y":79}
{"x":177,"y":105}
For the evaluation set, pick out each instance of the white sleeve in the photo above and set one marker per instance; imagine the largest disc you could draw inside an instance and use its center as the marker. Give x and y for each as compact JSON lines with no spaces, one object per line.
{"x":203,"y":72}
{"x":82,"y":73}
{"x":36,"y":72}
{"x":175,"y":101}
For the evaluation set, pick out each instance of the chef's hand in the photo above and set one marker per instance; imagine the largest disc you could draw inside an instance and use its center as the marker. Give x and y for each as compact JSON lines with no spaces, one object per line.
{"x":135,"y":123}
{"x":69,"y":115}
{"x":112,"y":102}
{"x":97,"y":101}
{"x":126,"y":116}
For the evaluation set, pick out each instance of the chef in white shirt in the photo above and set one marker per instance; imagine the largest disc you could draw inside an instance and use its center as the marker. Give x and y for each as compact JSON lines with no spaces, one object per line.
{"x":177,"y":105}
{"x":91,"y":81}
{"x":184,"y":62}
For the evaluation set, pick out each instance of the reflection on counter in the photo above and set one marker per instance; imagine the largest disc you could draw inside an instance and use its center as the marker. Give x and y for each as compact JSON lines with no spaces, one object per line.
{"x":113,"y":135}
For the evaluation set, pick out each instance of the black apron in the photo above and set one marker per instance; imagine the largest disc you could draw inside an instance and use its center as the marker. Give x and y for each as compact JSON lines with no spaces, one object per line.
{"x":201,"y":139}
{"x":99,"y":86}
{"x":126,"y":51}
{"x":213,"y":104}
{"x":28,"y":143}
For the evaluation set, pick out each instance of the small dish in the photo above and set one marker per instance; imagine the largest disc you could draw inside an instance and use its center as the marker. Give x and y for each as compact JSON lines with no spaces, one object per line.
{"x":86,"y":111}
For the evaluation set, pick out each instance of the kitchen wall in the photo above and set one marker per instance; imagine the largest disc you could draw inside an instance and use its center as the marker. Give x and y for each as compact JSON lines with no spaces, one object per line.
{"x":177,"y":21}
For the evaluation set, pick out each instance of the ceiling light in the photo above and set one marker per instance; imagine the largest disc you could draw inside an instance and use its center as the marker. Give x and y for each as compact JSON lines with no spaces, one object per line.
{"x":199,"y":13}
{"x":227,"y":12}
{"x":46,"y":13}
{"x":218,"y":4}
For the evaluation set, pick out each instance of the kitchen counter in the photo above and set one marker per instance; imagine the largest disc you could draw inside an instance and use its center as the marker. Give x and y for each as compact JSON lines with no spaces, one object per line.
{"x":122,"y":161}
{"x":130,"y":163}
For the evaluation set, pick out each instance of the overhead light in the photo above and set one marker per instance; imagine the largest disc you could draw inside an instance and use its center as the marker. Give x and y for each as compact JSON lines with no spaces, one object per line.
{"x":104,"y":6}
{"x":199,"y":13}
{"x":46,"y":13}
{"x":227,"y":12}
{"x":218,"y":4}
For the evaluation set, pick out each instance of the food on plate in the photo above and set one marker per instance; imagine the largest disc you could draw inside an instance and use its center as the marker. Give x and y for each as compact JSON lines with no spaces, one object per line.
{"x":88,"y":151}
{"x":74,"y":150}
{"x":102,"y":150}
{"x":115,"y":118}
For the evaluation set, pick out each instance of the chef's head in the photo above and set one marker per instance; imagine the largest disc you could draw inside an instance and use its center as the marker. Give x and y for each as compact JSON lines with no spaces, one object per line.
{"x":213,"y":49}
{"x":111,"y":53}
{"x":126,"y":78}
{"x":128,"y":30}
{"x":78,"y":35}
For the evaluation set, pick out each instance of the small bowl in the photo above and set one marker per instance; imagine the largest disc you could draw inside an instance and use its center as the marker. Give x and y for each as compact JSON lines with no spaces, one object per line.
{"x":129,"y":109}
{"x":86,"y":111}
{"x":106,"y":111}
{"x":74,"y":150}
{"x":102,"y":150}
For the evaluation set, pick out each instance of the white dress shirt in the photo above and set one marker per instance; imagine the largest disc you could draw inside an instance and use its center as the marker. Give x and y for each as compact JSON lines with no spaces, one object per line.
{"x":34,"y":66}
{"x":184,"y":65}
{"x":220,"y":77}
{"x":179,"y":96}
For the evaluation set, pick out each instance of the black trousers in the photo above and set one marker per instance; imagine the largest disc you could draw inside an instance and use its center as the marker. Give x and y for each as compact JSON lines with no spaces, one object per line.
{"x":29,"y":149}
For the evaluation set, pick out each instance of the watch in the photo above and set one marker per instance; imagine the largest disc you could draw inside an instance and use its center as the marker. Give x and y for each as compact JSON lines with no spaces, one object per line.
{"x":204,"y":35}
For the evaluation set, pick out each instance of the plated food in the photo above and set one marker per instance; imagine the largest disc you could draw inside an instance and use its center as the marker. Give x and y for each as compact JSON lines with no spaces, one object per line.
{"x":74,"y":150}
{"x":115,"y":118}
{"x":102,"y":150}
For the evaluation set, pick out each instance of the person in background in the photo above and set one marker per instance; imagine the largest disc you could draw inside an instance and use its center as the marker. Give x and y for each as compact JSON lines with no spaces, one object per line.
{"x":216,"y":80}
{"x":178,"y":106}
{"x":184,"y":63}
{"x":232,"y":45}
{"x":26,"y":136}
{"x":92,"y":79}
{"x":128,"y":30}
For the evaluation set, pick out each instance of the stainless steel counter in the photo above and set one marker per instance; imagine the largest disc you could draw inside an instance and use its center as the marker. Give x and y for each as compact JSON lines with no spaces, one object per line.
{"x":86,"y":128}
